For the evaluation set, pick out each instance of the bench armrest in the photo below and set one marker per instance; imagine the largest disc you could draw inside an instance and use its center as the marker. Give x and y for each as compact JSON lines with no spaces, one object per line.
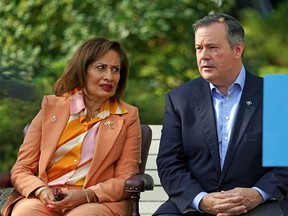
{"x":139,"y":183}
{"x":5,"y":180}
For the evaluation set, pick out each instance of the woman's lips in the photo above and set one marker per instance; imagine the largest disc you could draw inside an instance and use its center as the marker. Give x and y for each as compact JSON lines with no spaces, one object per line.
{"x":107,"y":87}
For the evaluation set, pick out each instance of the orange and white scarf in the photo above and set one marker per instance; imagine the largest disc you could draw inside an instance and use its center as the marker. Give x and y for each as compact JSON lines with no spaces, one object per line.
{"x":75,"y":148}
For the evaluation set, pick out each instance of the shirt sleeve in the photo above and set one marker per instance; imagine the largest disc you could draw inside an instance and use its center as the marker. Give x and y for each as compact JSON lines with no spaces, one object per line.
{"x":196,"y":201}
{"x":265,"y":195}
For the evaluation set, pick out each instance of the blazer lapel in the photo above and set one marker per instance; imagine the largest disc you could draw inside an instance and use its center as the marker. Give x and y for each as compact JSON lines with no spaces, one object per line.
{"x":55,"y":117}
{"x":107,"y":134}
{"x":250,"y":100}
{"x":206,"y":115}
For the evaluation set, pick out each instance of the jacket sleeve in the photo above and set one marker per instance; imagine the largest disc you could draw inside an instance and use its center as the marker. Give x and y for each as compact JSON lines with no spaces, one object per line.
{"x":24,"y":172}
{"x":175,"y":178}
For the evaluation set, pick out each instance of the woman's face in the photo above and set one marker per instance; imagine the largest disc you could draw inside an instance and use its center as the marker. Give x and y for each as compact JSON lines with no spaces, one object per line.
{"x":103,"y":76}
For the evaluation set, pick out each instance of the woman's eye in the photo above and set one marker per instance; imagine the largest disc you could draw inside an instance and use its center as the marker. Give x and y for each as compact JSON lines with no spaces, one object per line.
{"x":115,"y":69}
{"x":101,"y":67}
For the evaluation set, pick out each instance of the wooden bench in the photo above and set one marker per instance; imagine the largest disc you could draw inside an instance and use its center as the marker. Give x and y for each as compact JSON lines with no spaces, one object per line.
{"x":151,"y":200}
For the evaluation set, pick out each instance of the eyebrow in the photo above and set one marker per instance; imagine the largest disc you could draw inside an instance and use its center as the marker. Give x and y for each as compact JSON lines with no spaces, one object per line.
{"x":206,"y":44}
{"x":106,"y":64}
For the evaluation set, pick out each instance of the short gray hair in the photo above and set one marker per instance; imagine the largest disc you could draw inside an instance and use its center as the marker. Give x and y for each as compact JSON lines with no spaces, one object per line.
{"x":234,"y":30}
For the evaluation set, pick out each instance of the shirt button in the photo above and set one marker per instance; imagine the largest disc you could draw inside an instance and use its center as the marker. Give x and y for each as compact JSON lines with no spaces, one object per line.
{"x":227,"y":98}
{"x":226,"y":138}
{"x":75,"y":160}
{"x":227,"y":117}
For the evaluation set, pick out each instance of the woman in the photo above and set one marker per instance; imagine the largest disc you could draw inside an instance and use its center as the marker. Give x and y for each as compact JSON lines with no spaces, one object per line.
{"x":84,"y":141}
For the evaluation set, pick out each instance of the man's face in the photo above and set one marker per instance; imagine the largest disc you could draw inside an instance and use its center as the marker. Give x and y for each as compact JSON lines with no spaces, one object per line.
{"x":217,"y":62}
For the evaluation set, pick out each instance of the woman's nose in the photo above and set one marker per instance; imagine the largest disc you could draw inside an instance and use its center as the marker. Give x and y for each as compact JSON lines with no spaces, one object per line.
{"x":108,"y":74}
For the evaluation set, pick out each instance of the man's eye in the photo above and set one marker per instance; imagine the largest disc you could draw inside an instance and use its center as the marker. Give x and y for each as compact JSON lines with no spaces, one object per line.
{"x":198,"y":48}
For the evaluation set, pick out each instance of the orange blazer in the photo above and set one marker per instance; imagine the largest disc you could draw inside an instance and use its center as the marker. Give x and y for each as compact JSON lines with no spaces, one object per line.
{"x":116,"y":156}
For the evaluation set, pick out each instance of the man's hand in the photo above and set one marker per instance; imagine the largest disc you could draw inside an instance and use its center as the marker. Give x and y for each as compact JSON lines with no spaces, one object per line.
{"x":233,"y":202}
{"x":223,"y":204}
{"x":251,"y":196}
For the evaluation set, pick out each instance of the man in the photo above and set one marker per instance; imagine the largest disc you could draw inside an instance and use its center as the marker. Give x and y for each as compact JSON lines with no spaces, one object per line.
{"x":210,"y":155}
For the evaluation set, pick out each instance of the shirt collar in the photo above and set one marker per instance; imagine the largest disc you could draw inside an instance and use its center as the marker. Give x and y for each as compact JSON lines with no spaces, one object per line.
{"x":108,"y":108}
{"x":77,"y":103}
{"x":240,"y":80}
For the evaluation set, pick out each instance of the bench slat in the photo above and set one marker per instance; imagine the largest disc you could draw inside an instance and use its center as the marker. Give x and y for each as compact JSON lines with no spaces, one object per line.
{"x":158,"y":194}
{"x":148,"y":208}
{"x":154,"y":175}
{"x":151,"y":200}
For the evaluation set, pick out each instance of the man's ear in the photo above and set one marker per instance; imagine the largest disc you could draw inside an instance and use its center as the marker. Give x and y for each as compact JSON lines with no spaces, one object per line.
{"x":239,"y":50}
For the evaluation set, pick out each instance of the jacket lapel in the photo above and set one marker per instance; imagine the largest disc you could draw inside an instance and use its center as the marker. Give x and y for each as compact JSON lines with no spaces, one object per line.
{"x":250,"y":100}
{"x":55,"y":117}
{"x":109,"y":130}
{"x":205,"y":110}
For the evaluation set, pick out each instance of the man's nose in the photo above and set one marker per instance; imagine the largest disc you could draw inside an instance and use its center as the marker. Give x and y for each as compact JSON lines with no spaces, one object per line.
{"x":205,"y":54}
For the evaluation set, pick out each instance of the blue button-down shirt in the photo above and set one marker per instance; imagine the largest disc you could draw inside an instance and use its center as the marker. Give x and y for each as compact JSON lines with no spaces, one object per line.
{"x":225,"y":107}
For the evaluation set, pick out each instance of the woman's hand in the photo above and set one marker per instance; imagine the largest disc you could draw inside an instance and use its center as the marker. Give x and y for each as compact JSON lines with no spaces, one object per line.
{"x":72,"y":199}
{"x":46,"y":196}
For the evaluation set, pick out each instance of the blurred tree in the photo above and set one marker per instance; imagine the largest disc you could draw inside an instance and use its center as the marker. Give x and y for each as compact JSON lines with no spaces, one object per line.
{"x":37,"y":37}
{"x":13,"y":112}
{"x":266,"y":39}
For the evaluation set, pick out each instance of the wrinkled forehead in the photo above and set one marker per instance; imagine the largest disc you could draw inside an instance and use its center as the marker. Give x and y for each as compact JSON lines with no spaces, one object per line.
{"x":215,"y":32}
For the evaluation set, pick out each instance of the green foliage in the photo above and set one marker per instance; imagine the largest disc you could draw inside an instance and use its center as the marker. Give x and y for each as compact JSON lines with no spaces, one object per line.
{"x":266,"y":39}
{"x":152,"y":105}
{"x":37,"y":38}
{"x":19,"y":102}
{"x":15,"y":114}
{"x":37,"y":35}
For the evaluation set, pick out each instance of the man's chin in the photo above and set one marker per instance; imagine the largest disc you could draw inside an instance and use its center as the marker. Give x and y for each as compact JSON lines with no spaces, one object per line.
{"x":207,"y":74}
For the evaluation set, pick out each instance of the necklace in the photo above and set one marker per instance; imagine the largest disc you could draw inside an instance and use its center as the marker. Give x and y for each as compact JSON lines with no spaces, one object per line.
{"x":91,"y":118}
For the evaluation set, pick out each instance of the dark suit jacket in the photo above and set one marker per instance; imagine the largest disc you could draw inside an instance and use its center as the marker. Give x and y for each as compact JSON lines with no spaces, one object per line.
{"x":188,"y":159}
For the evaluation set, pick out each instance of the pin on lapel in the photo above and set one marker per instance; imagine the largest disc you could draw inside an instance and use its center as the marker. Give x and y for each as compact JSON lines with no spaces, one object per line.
{"x":108,"y":123}
{"x":249,"y":103}
{"x":53,"y":119}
